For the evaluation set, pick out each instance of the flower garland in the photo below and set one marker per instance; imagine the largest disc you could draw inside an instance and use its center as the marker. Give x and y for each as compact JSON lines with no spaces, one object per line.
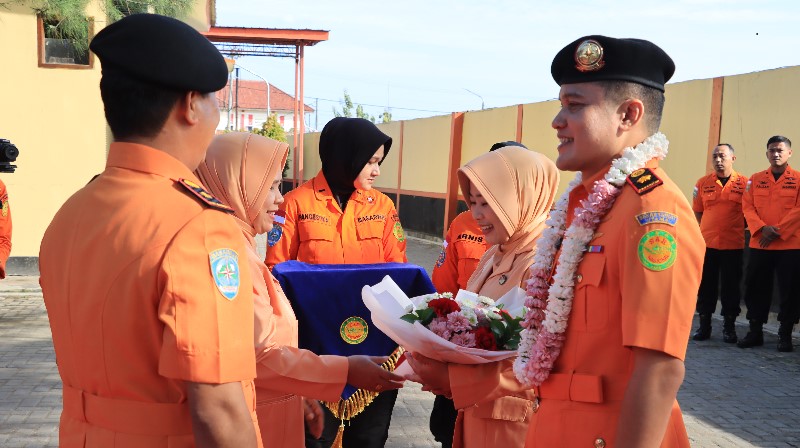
{"x":548,"y":305}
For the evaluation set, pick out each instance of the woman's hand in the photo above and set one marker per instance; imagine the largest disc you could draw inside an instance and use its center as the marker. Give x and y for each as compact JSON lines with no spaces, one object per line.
{"x":433,"y":374}
{"x":312,"y":412}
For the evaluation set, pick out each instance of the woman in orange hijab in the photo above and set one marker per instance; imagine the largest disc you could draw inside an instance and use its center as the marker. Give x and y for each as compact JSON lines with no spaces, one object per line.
{"x":243,"y":171}
{"x":510,"y":192}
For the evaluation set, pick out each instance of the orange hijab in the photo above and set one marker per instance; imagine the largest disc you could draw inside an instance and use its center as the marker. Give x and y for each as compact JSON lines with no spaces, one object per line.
{"x":239,"y":170}
{"x":520,"y":186}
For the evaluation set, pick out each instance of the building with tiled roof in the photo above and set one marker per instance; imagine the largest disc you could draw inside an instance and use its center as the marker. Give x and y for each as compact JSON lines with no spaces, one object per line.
{"x":251,"y":99}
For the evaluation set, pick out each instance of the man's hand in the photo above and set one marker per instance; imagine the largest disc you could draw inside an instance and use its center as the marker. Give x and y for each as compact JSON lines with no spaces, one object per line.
{"x":365,"y":372}
{"x":220,"y":417}
{"x":768,"y":235}
{"x":312,"y":412}
{"x":432,"y":374}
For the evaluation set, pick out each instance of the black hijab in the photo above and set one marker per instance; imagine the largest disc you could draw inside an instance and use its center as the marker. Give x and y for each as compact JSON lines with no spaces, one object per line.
{"x":345,"y":146}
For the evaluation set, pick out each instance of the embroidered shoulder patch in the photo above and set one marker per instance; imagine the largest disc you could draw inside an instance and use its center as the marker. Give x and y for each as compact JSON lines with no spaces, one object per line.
{"x":442,"y":255}
{"x":657,"y":250}
{"x":354,"y":330}
{"x":204,"y":196}
{"x":657,"y":218}
{"x":225,"y":270}
{"x":643,"y":180}
{"x":398,"y":233}
{"x":274,"y":235}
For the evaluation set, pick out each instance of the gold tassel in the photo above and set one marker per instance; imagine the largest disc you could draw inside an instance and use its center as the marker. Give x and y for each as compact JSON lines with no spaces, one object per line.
{"x":347,"y":409}
{"x":337,"y":442}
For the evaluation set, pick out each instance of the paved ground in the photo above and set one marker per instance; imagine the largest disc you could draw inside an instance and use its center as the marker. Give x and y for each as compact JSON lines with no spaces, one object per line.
{"x":731,"y":397}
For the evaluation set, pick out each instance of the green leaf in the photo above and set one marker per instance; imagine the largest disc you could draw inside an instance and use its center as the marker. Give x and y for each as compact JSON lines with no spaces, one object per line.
{"x":426,"y":316}
{"x":410,"y":317}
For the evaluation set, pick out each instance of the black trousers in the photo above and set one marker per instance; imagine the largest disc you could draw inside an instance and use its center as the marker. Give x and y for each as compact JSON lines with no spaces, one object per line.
{"x":443,"y":420}
{"x":762,"y":266}
{"x":369,"y":429}
{"x":722,"y":273}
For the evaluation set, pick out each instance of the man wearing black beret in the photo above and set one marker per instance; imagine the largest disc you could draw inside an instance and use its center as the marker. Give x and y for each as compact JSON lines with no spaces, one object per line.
{"x":150,"y":309}
{"x":613,"y":296}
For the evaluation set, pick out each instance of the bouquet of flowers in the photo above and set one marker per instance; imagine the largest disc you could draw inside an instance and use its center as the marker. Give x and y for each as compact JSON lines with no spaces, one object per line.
{"x":467,"y":329}
{"x":467,"y":320}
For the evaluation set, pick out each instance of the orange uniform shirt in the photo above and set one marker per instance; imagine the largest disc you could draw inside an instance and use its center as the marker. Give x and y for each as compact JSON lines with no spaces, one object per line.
{"x":146,"y":287}
{"x":770,"y":202}
{"x":462,"y":248}
{"x":5,"y":229}
{"x":315,"y":230}
{"x":722,"y":224}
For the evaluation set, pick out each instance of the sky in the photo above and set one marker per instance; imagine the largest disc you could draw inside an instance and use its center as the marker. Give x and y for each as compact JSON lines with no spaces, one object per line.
{"x":421,"y":58}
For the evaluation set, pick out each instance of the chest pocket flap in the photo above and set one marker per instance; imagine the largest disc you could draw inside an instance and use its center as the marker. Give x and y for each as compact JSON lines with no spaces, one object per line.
{"x":313,"y":230}
{"x":370,"y":229}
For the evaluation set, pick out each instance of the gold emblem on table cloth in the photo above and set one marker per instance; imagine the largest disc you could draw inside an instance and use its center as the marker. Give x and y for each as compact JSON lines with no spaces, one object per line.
{"x":589,"y":56}
{"x":657,"y":250}
{"x":354,"y":330}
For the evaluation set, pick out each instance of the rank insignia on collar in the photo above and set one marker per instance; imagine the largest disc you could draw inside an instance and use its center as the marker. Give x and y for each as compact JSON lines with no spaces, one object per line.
{"x":204,"y":196}
{"x":644,"y":180}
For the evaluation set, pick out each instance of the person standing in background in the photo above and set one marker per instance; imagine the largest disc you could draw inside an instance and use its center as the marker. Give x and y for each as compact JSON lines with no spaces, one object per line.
{"x":772,"y":208}
{"x":339,"y":218}
{"x":5,"y":229}
{"x":717,"y":205}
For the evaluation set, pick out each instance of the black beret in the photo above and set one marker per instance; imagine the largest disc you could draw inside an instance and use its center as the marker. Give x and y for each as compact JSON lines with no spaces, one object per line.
{"x":601,"y":58}
{"x":162,"y":51}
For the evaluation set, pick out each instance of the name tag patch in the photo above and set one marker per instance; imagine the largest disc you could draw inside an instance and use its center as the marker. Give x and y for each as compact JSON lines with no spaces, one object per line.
{"x":657,"y":218}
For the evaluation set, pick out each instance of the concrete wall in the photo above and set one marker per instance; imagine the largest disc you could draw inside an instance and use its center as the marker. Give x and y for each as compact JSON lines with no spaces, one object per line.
{"x":755,"y":107}
{"x":745,"y":111}
{"x":55,"y":117}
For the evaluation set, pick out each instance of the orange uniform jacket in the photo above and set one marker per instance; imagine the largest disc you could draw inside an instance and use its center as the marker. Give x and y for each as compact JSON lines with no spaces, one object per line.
{"x":140,"y":282}
{"x":722,"y":224}
{"x":635,"y":287}
{"x":5,"y":229}
{"x":462,"y":249}
{"x":316,"y":231}
{"x":770,"y":202}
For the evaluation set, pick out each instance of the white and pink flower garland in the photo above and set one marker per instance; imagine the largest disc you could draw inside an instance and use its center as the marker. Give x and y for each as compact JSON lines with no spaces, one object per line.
{"x":548,"y":305}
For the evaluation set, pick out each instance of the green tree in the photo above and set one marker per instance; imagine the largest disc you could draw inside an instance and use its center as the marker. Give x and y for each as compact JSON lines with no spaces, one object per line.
{"x":66,"y":19}
{"x":272,"y":129}
{"x":347,"y":111}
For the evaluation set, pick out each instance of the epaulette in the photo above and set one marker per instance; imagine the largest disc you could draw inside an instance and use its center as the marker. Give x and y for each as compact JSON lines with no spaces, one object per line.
{"x":644,"y":180}
{"x":204,"y":196}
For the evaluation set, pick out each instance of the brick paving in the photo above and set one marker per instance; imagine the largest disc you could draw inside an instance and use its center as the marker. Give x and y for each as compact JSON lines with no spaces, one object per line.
{"x":730,"y":397}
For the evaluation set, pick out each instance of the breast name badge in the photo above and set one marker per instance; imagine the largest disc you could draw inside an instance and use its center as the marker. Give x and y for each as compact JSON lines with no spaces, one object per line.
{"x":225,"y":270}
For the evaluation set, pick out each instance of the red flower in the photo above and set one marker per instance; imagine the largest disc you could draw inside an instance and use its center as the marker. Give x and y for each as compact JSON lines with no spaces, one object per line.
{"x":443,"y":307}
{"x":484,"y":338}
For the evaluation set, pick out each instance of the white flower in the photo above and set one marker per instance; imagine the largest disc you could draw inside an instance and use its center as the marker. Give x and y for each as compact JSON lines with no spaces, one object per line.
{"x":469,"y":313}
{"x":486,"y":301}
{"x":409,"y":308}
{"x":491,"y":314}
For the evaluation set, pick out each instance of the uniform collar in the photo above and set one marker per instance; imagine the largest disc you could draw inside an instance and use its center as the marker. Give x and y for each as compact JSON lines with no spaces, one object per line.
{"x":588,"y":183}
{"x":133,"y":156}
{"x":322,"y":191}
